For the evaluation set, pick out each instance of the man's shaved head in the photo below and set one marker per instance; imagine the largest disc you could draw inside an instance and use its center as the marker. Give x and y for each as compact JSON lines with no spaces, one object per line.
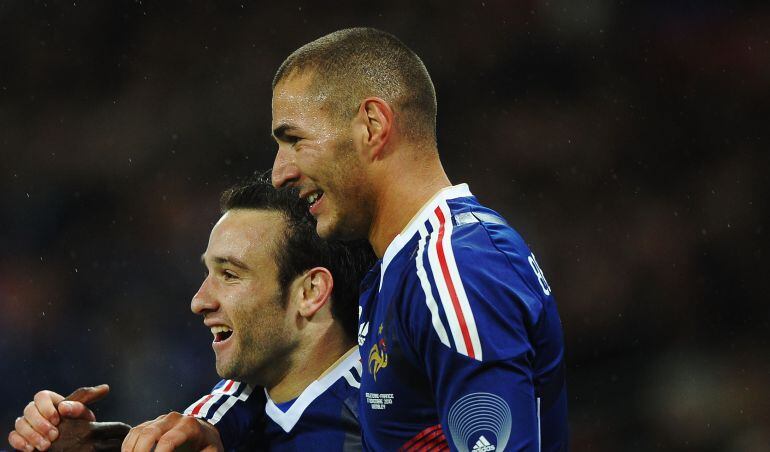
{"x":350,"y":65}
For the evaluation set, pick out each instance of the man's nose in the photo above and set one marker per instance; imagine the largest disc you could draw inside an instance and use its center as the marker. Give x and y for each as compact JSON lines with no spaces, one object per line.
{"x":285,"y":171}
{"x":203,"y":301}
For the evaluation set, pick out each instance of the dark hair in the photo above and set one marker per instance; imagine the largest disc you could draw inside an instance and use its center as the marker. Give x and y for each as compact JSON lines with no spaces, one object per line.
{"x":352,"y":64}
{"x":302,"y":248}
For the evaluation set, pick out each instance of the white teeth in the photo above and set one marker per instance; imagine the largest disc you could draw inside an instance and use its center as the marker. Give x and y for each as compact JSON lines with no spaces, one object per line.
{"x":313,"y":198}
{"x":219,"y":329}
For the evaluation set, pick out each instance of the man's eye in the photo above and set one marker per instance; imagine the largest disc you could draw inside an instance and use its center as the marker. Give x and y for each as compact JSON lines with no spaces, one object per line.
{"x":227,"y":275}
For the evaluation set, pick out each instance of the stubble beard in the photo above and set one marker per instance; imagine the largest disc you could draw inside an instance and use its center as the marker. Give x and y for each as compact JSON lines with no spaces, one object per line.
{"x":351,"y":216}
{"x":263,"y":348}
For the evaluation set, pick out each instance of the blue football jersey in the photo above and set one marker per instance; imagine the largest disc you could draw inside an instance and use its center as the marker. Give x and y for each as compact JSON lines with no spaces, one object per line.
{"x":323,"y":417}
{"x":460,"y":339}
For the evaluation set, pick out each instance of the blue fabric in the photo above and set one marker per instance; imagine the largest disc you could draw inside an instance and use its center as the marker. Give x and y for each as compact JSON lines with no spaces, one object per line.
{"x":485,"y":362}
{"x":326,"y":420}
{"x":284,"y":406}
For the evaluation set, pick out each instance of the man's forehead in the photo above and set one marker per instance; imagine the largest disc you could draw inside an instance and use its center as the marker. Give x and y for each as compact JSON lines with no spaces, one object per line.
{"x":245,"y":229}
{"x":246,"y":219}
{"x":298,"y":91}
{"x":294,"y":81}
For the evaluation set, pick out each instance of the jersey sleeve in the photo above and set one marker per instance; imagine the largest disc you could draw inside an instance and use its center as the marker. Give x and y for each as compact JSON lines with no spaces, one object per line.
{"x":485,"y":307}
{"x":235,"y":409}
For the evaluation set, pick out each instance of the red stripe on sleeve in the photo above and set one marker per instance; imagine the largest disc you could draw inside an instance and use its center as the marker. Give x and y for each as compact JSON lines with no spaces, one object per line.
{"x":432,"y":438}
{"x":198,"y":407}
{"x":450,"y":284}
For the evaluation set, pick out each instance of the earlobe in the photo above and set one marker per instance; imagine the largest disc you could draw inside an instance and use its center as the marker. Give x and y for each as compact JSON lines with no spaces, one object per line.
{"x":316,"y":290}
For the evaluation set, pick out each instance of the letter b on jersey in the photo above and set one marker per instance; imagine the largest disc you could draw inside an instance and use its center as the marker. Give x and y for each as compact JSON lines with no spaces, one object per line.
{"x":539,"y":273}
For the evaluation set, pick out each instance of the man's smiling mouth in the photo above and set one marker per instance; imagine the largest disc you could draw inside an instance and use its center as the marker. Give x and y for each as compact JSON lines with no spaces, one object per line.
{"x":221,"y":333}
{"x":314,"y":197}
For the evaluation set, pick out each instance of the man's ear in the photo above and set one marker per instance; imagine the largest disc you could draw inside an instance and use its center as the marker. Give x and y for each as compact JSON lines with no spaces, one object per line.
{"x":315,"y":291}
{"x":374,"y":122}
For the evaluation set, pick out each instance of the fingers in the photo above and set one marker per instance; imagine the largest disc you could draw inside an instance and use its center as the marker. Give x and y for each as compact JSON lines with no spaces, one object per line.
{"x":169,"y":432}
{"x":74,"y":406}
{"x":75,"y":410}
{"x":89,"y":394}
{"x":18,"y":442}
{"x":129,"y":444}
{"x":173,"y":438}
{"x":37,"y":429}
{"x":144,"y":437}
{"x":152,"y":432}
{"x":191,"y":434}
{"x":46,"y":402}
{"x":39,"y":423}
{"x":29,"y":435}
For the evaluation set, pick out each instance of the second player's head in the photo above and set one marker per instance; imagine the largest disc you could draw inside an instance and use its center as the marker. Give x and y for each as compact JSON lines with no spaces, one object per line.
{"x":340,"y":104}
{"x":272,"y":285}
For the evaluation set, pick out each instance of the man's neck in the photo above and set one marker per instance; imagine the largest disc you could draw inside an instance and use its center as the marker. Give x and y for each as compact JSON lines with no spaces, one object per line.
{"x":401,"y":197}
{"x":308,"y":365}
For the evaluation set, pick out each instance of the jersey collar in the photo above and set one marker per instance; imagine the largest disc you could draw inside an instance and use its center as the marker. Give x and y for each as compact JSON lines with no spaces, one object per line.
{"x":338,"y":370}
{"x":455,"y":191}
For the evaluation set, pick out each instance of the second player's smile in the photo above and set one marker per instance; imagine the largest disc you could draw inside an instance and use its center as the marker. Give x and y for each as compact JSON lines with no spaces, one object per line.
{"x":221,"y":333}
{"x":314,"y":200}
{"x":223,"y":336}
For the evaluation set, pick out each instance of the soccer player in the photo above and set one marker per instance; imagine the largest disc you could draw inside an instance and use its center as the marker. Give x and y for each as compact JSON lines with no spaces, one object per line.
{"x":280,"y":303}
{"x":460,"y":339}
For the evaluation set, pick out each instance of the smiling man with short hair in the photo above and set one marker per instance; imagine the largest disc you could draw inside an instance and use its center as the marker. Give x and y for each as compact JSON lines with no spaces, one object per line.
{"x":459,"y":333}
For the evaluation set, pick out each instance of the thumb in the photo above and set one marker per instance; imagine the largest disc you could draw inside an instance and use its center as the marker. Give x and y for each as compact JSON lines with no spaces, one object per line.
{"x":75,"y":410}
{"x":89,"y":394}
{"x":74,"y":406}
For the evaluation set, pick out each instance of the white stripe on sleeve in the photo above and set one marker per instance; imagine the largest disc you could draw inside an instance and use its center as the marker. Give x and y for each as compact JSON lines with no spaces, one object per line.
{"x":426,"y":288}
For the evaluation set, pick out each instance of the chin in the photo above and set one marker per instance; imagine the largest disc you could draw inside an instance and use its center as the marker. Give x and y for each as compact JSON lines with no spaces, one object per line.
{"x":323,"y":232}
{"x":327,"y":229}
{"x":231,"y":374}
{"x":224,"y":371}
{"x":339,"y":229}
{"x":228,"y":370}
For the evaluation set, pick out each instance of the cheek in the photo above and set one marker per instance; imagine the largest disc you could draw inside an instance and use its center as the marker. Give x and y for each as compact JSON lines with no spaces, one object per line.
{"x":242,"y":306}
{"x":258,"y":312}
{"x":347,"y":176}
{"x":353,"y":183}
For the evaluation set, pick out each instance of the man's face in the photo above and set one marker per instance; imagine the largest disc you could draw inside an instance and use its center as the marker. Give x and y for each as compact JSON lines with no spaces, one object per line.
{"x":316,"y":154}
{"x":241,"y":300}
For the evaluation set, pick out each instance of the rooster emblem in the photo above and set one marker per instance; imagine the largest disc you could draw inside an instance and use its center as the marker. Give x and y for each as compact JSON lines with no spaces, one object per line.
{"x":378,"y":357}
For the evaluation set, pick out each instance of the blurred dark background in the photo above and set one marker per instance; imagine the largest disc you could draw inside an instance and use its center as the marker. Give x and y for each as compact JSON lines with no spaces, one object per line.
{"x":627,"y":142}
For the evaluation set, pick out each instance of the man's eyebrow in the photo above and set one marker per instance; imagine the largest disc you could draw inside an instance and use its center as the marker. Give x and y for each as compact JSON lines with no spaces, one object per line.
{"x":281,"y":131}
{"x":226,"y":260}
{"x":231,"y":260}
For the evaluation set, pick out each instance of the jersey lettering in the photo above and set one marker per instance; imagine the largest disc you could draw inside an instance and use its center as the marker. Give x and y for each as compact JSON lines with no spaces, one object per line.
{"x":539,"y":273}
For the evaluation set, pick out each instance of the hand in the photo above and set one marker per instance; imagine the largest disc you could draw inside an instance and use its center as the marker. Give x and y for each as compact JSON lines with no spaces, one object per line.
{"x":37,"y":428}
{"x":85,"y":436}
{"x":171,"y":432}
